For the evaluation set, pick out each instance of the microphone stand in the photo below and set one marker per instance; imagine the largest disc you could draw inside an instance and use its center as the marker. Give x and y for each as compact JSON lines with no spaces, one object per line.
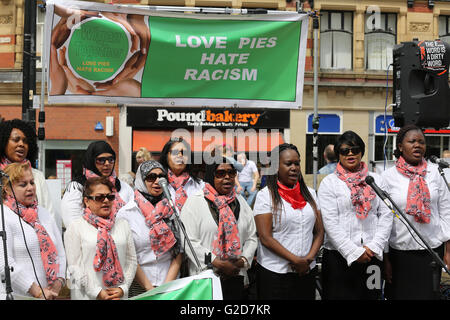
{"x":437,"y":261}
{"x":443,"y":176}
{"x":8,"y":286}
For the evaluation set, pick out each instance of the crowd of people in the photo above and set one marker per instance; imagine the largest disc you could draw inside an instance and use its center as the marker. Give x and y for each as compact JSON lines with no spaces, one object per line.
{"x":122,"y":239}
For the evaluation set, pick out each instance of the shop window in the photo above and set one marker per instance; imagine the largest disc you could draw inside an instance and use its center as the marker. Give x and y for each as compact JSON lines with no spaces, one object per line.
{"x":444,"y":28}
{"x":323,"y":141}
{"x":380,"y":38}
{"x":336,"y":40}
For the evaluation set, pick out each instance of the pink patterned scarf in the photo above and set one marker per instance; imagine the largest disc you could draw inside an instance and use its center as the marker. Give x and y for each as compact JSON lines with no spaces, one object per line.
{"x":178,"y":184}
{"x":48,"y":251}
{"x":162,"y":238}
{"x":227,"y":245}
{"x":106,"y":258}
{"x":118,"y":202}
{"x":418,"y":199}
{"x":361,"y":193}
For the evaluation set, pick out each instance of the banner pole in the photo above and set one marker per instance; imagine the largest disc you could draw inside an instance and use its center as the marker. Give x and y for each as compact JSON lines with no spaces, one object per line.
{"x":315,"y":121}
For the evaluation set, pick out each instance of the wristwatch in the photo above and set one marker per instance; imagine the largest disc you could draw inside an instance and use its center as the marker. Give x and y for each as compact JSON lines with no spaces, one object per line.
{"x":246,"y":264}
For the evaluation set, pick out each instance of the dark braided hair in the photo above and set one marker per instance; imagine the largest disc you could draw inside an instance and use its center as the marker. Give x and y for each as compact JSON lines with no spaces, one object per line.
{"x":30,"y":133}
{"x":401,"y":136}
{"x":273,"y":178}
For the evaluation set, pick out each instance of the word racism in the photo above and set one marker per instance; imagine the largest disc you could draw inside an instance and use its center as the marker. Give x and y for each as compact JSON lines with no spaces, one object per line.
{"x":223,"y":59}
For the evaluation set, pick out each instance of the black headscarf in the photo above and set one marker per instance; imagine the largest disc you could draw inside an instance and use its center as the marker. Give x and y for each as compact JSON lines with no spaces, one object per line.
{"x":94,"y":149}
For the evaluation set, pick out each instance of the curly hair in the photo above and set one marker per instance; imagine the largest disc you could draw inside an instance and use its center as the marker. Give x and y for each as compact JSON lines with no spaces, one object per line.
{"x":30,"y":133}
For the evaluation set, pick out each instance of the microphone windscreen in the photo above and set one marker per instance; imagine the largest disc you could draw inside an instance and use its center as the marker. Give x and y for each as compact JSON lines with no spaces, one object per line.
{"x":163,"y":182}
{"x":434,"y":159}
{"x":369,"y":180}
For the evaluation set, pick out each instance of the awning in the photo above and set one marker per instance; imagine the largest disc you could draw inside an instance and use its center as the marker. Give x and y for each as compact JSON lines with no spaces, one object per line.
{"x":245,"y":140}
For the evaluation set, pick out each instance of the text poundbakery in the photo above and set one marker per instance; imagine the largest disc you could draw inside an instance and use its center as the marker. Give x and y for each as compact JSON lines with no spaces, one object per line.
{"x":208,"y":116}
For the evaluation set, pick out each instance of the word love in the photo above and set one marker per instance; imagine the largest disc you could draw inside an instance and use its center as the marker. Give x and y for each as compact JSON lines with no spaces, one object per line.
{"x":221,"y":42}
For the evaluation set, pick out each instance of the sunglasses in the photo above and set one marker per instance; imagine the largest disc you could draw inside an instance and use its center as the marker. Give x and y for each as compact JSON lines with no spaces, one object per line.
{"x":220,"y":174}
{"x":102,"y":160}
{"x":175,"y":152}
{"x":151,"y":177}
{"x":355,"y":150}
{"x":102,"y":197}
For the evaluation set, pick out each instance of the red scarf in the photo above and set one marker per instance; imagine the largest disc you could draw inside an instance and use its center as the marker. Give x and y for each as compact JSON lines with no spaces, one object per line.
{"x":178,"y":184}
{"x":418,"y":199}
{"x":227,"y":245}
{"x":293,"y":196}
{"x":106,"y":258}
{"x":361,"y":193}
{"x":162,"y":238}
{"x":48,"y":251}
{"x":118,"y":202}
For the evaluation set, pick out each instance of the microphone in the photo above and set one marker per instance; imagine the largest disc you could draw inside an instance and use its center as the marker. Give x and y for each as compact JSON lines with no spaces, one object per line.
{"x":439,"y":162}
{"x":3,"y":174}
{"x":371,"y":182}
{"x":165,"y":186}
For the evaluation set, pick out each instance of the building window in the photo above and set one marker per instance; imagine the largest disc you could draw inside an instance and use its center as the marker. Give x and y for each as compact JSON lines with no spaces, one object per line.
{"x":444,"y":28}
{"x":380,"y":38}
{"x":336,"y":40}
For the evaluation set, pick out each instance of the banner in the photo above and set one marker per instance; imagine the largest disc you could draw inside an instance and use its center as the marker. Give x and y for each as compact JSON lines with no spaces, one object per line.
{"x":204,"y":286}
{"x":131,"y":55}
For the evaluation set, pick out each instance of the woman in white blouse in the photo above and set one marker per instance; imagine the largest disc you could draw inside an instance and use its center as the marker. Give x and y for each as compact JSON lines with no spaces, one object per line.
{"x":219,"y":222}
{"x":100,"y":250}
{"x":176,"y":158}
{"x":99,"y":161}
{"x":357,"y":226}
{"x":419,"y":191}
{"x":290,"y":230}
{"x":155,"y":234}
{"x":34,"y":243}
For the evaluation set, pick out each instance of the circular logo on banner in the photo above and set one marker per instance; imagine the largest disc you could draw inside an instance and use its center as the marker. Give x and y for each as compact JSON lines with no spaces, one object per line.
{"x":97,"y":49}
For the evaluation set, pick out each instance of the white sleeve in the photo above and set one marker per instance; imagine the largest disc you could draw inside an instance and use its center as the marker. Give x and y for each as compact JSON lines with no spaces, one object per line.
{"x":21,"y":277}
{"x":384,"y":223}
{"x":250,"y":244}
{"x":263,"y":202}
{"x":72,"y":203}
{"x":191,"y":217}
{"x":129,"y":268}
{"x":57,"y":241}
{"x":330,"y":215}
{"x":444,"y":209}
{"x":42,"y":194}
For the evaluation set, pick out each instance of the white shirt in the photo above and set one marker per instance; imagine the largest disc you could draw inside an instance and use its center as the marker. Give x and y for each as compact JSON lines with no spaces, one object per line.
{"x":42,"y":194}
{"x":72,"y":200}
{"x":22,"y":275}
{"x":191,"y":187}
{"x":202,"y":229}
{"x":344,"y":231}
{"x":246,"y":175}
{"x":292,"y":228}
{"x":80,"y":239}
{"x":155,"y":268}
{"x":438,"y":230}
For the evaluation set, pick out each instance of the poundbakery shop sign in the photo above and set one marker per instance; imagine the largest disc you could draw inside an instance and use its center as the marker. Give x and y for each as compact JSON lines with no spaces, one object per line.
{"x":141,"y":117}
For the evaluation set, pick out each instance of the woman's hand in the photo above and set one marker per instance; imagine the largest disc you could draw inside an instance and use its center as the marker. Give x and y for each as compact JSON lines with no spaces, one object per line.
{"x":301,"y":265}
{"x":387,"y":273}
{"x":226,"y":268}
{"x":114,"y":293}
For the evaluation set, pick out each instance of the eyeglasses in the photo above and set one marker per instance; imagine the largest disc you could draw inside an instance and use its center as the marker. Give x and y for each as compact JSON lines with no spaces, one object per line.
{"x":151,"y":177}
{"x":175,"y":152}
{"x":102,"y":160}
{"x":102,"y":197}
{"x":220,"y":174}
{"x":355,"y":150}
